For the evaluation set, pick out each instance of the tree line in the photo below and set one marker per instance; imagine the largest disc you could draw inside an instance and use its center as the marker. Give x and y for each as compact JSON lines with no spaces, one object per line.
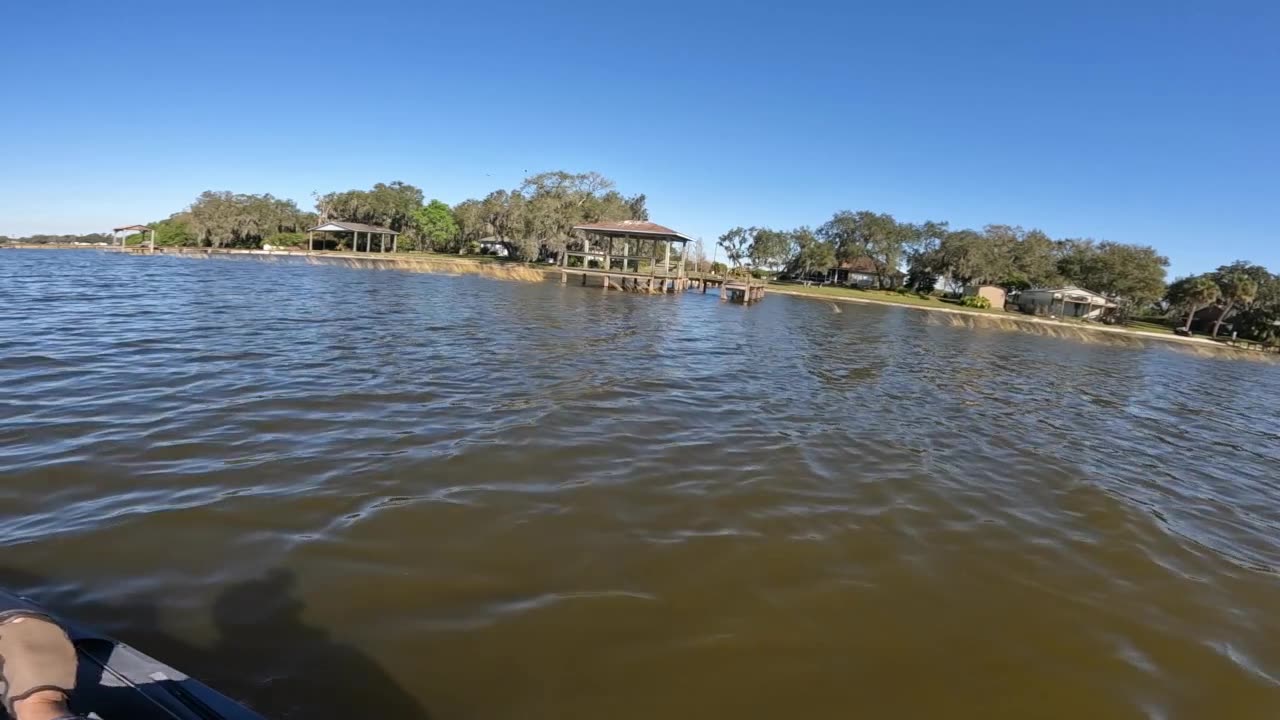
{"x":1245,"y":295}
{"x":532,"y":221}
{"x":921,"y":255}
{"x":91,"y":239}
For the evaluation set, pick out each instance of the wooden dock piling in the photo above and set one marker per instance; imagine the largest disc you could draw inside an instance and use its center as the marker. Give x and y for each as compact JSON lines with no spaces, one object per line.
{"x":745,"y":293}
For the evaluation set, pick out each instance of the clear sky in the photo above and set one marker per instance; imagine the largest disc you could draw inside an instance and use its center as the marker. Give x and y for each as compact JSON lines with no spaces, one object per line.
{"x":1154,"y":122}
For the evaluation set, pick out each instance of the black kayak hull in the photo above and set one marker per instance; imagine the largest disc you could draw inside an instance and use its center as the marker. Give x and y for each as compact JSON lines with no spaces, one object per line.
{"x":116,"y":682}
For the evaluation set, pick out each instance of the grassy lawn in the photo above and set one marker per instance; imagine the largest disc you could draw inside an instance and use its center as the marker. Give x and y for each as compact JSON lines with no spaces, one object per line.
{"x":886,"y":296}
{"x":1145,"y":326}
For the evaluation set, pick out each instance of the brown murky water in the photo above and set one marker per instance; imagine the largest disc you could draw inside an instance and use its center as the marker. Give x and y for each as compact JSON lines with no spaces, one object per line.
{"x":338,"y":493}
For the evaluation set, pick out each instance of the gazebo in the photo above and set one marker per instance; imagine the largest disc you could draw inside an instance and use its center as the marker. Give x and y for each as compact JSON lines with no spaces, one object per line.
{"x":600,"y":241}
{"x":130,"y":229}
{"x":355,"y":229}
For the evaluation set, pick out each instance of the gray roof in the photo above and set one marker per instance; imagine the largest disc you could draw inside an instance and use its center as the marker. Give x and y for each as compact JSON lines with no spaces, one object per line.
{"x":633,"y":228}
{"x":353,"y":227}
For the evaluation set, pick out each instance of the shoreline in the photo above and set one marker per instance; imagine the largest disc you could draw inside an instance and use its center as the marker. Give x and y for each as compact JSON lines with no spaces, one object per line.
{"x":512,"y":270}
{"x":1027,"y":319}
{"x":51,"y":246}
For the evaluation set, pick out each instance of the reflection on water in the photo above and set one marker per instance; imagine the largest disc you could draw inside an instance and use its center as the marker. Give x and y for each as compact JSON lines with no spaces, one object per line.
{"x":497,"y":499}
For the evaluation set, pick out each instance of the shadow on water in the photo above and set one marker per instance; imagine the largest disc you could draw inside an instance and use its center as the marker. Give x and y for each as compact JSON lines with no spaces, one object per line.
{"x":265,"y":656}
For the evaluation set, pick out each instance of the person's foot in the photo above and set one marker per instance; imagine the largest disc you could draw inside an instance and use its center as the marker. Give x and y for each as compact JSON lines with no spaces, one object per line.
{"x":37,"y":666}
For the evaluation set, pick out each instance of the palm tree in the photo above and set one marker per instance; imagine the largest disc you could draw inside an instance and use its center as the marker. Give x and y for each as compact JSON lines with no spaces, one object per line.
{"x":1193,"y":293}
{"x":1235,"y":288}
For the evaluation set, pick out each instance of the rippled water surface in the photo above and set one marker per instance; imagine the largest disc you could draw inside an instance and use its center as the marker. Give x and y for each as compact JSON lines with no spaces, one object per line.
{"x":338,"y":493}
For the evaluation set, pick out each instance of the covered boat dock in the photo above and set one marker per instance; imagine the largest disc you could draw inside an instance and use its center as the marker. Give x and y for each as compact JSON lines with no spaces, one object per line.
{"x":124,"y":232}
{"x":627,"y":255}
{"x":356,"y":229}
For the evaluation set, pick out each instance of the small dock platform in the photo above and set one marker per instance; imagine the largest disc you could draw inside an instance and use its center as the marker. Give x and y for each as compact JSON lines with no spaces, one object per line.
{"x":735,"y":291}
{"x":745,"y":293}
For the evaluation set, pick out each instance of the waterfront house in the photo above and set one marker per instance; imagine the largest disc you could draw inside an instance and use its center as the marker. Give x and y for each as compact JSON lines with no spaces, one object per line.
{"x":1067,"y":301}
{"x":861,"y":272}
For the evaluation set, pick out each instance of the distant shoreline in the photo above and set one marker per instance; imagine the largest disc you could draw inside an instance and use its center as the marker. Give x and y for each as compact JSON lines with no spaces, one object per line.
{"x":51,"y":246}
{"x":510,"y":270}
{"x":996,"y":319}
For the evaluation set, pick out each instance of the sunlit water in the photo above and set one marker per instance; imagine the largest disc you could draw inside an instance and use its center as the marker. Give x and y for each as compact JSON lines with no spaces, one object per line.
{"x":339,"y":493}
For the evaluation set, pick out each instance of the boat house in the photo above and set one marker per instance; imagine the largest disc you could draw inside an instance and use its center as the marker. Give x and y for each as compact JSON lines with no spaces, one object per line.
{"x":356,"y":230}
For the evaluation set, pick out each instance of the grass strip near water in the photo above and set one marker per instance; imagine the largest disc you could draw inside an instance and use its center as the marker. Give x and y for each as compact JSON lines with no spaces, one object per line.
{"x":1151,"y":327}
{"x":890,"y":297}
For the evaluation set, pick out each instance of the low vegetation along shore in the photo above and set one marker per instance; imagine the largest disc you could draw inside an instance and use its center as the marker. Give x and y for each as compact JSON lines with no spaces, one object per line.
{"x":957,"y":315}
{"x":944,"y":311}
{"x":918,"y":264}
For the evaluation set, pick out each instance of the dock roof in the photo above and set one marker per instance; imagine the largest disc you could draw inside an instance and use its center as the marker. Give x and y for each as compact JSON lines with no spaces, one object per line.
{"x":633,"y":228}
{"x":343,"y":226}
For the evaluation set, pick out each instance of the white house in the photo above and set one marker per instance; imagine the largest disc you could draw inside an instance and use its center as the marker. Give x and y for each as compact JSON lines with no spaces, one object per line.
{"x":1067,"y":301}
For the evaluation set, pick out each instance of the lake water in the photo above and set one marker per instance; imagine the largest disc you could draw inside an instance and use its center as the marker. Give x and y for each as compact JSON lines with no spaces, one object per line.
{"x":337,"y":493}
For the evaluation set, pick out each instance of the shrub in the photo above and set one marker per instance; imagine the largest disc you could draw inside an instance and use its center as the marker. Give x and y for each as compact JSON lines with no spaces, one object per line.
{"x":285,"y":239}
{"x":976,"y":301}
{"x":902,"y":290}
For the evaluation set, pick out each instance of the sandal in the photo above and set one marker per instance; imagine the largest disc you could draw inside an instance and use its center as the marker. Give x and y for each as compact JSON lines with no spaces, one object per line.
{"x":35,"y":654}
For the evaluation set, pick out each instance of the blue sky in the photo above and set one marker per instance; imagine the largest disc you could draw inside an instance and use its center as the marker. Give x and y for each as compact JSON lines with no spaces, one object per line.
{"x":1147,"y":122}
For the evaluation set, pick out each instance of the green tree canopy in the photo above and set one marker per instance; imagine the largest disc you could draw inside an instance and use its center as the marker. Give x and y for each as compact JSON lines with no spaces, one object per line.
{"x":811,"y":254}
{"x":1191,"y":294}
{"x":877,"y":236}
{"x":1029,"y":259}
{"x":1132,"y":274}
{"x":770,"y":249}
{"x":537,"y":218}
{"x":231,"y":219}
{"x":1237,"y":289}
{"x":173,"y":231}
{"x":969,"y":257}
{"x":394,"y":205}
{"x":1267,"y":286}
{"x":434,"y":228}
{"x":737,"y":245}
